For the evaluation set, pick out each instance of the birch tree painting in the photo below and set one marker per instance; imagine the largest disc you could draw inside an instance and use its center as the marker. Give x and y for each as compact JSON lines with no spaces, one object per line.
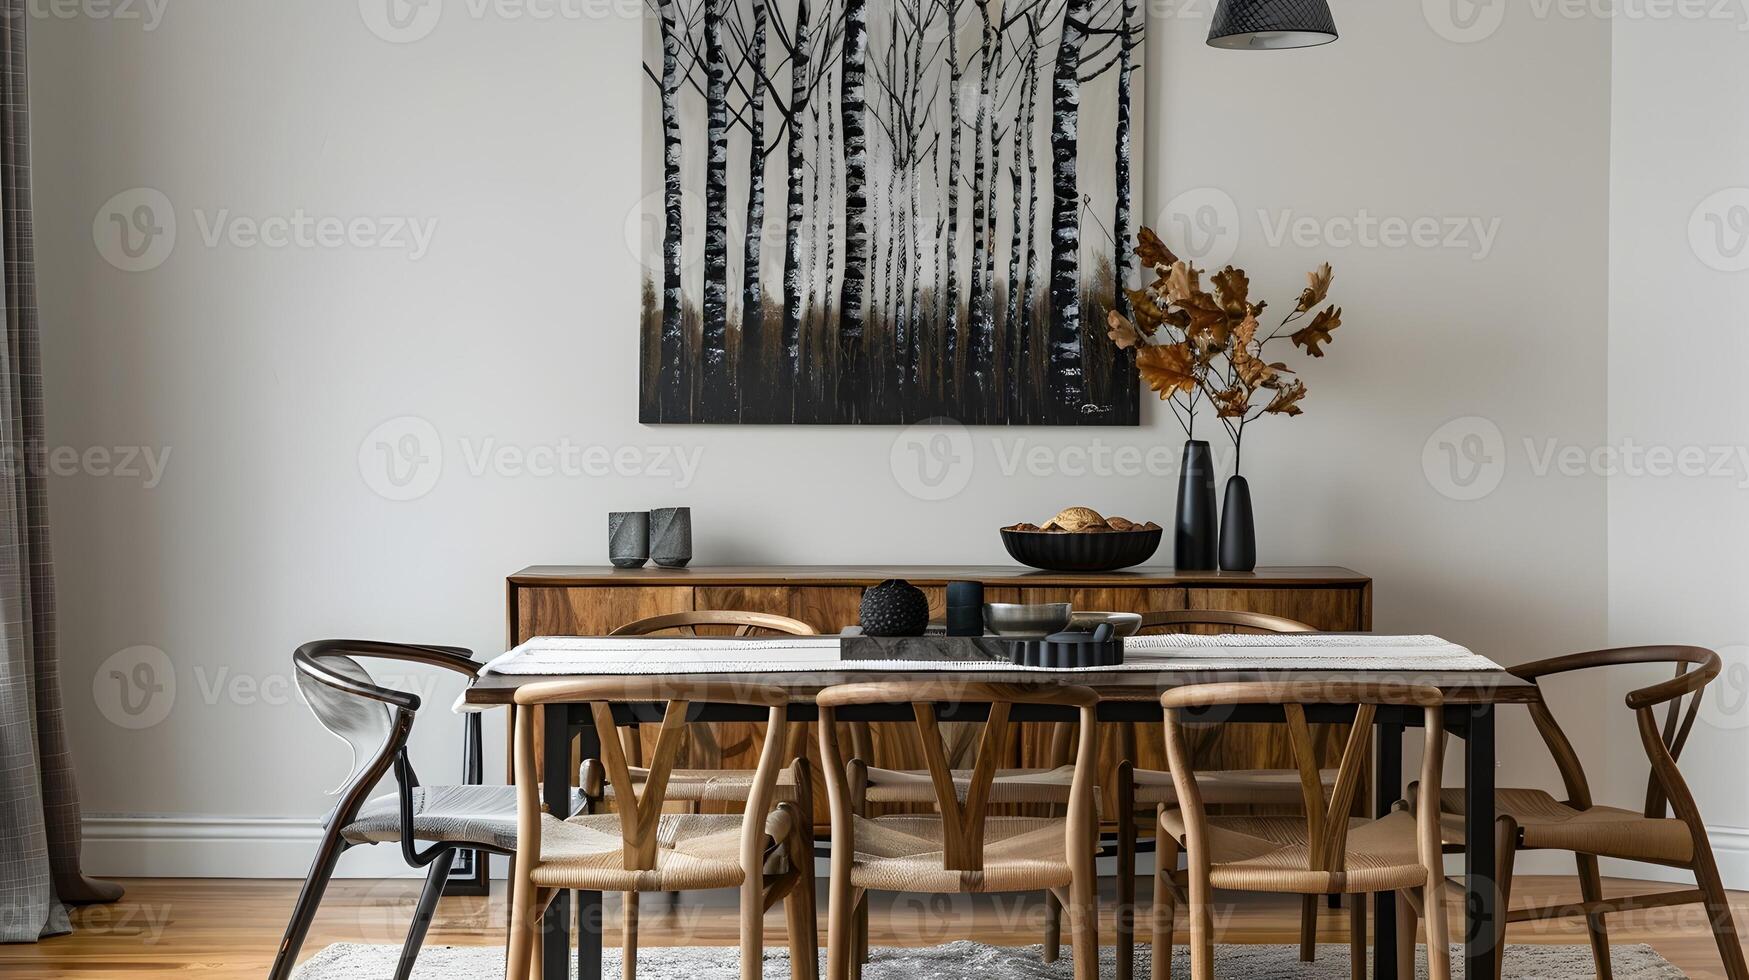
{"x":888,"y":211}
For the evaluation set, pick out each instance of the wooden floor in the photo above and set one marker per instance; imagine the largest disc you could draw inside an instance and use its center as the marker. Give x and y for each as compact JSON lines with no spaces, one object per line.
{"x":209,"y":929}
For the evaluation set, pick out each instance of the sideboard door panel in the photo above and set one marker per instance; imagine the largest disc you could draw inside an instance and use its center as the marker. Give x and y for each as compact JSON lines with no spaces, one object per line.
{"x":593,"y":611}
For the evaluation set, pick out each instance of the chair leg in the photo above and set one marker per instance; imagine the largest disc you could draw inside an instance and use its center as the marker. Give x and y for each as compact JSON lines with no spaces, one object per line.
{"x":798,"y":905}
{"x":840,"y":918}
{"x":525,"y":913}
{"x":435,"y":879}
{"x":1591,"y":890}
{"x":753,"y":926}
{"x":1505,"y":855}
{"x":1165,"y":903}
{"x":1083,"y":915}
{"x":1125,"y":925}
{"x":1406,"y":926}
{"x":1308,"y":928}
{"x":1356,"y":937}
{"x":628,"y":934}
{"x":861,"y":935}
{"x":1718,"y":910}
{"x":1202,"y":928}
{"x":309,"y":898}
{"x":1438,"y":931}
{"x":1053,"y":928}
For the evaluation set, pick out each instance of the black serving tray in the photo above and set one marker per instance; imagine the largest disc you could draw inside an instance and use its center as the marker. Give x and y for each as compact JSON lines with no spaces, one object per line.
{"x":1034,"y":651}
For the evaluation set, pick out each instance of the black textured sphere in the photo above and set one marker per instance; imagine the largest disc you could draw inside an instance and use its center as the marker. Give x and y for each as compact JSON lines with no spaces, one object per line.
{"x":894,"y":608}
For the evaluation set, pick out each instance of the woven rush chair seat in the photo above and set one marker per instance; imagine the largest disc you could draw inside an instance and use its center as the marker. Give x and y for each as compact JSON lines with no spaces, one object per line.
{"x":1273,"y":854}
{"x":1249,"y":786}
{"x":710,"y":785}
{"x":899,"y":853}
{"x":1606,"y":831}
{"x":693,"y":851}
{"x":462,"y":814}
{"x":1007,"y":786}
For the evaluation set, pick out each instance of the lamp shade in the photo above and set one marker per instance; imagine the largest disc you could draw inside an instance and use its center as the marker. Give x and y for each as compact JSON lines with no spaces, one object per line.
{"x":1270,"y":24}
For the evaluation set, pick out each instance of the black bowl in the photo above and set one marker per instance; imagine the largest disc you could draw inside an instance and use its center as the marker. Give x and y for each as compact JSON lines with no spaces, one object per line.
{"x":1081,"y":551}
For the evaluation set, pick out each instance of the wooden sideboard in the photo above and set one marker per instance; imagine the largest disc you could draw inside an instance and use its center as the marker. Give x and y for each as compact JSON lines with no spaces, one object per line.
{"x":563,"y":600}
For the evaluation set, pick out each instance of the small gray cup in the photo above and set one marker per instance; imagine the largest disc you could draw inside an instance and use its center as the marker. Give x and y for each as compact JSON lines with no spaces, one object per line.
{"x":671,"y":536}
{"x":628,"y":538}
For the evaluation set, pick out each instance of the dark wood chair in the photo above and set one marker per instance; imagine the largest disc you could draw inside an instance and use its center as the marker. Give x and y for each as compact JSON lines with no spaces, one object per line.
{"x":375,"y":721}
{"x":1532,"y":819}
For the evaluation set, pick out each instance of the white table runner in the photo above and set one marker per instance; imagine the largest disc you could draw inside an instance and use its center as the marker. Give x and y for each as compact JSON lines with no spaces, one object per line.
{"x":561,"y":655}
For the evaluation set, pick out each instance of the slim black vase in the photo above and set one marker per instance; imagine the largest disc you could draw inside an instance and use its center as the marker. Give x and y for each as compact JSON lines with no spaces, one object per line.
{"x":1194,"y":543}
{"x":1238,"y":531}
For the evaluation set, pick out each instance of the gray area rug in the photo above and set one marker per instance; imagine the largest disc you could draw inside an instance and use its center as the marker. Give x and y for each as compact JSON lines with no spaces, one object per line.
{"x":960,"y":961}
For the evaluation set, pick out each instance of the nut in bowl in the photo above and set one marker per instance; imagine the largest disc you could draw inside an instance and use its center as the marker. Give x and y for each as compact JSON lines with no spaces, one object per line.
{"x":1078,"y":539}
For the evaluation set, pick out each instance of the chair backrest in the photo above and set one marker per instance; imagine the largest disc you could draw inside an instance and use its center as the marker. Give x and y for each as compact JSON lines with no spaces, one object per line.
{"x":1694,"y":667}
{"x":640,"y":807}
{"x":745,"y":623}
{"x":1177,"y":620}
{"x":372,"y":720}
{"x":1326,"y":820}
{"x":962,"y":816}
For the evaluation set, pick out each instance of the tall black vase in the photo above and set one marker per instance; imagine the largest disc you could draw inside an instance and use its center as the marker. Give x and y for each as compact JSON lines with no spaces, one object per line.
{"x":1238,"y":531}
{"x":1194,"y":542}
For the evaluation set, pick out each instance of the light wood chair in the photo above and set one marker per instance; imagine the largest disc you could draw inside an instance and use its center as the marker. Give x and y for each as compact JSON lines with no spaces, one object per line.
{"x":1531,"y":819}
{"x":961,"y":849}
{"x":766,"y":852}
{"x":1325,"y":852}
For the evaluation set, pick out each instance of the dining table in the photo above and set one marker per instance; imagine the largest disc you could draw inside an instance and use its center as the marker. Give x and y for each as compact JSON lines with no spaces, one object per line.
{"x":1472,"y":697}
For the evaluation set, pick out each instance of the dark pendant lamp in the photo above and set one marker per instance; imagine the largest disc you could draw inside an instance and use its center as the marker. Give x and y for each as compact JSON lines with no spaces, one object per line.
{"x":1261,"y":25}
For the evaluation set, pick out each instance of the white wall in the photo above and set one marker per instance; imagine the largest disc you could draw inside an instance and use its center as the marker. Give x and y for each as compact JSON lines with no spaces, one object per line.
{"x":1677,"y":570}
{"x":263,"y":370}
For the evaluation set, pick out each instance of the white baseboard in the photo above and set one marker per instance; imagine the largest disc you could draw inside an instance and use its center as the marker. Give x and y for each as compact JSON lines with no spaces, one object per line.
{"x":265,"y":847}
{"x":119,"y":846}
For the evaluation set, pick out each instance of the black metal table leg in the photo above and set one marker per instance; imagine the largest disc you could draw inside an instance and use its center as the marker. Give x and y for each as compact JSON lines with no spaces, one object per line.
{"x":556,"y":793}
{"x":589,"y":903}
{"x":1387,"y":789}
{"x":1480,"y":894}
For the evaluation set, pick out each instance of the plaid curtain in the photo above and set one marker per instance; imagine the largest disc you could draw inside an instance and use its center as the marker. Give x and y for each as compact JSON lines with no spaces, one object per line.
{"x":39,"y":805}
